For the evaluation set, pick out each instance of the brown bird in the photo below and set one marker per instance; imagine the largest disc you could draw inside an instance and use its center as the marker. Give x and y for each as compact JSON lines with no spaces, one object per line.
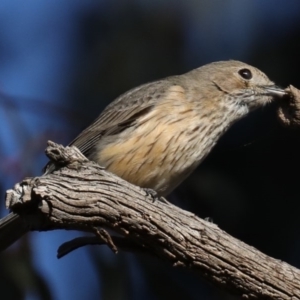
{"x":155,"y":135}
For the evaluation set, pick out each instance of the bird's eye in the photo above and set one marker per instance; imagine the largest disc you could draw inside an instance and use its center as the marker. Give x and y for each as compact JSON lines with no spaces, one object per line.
{"x":245,"y":73}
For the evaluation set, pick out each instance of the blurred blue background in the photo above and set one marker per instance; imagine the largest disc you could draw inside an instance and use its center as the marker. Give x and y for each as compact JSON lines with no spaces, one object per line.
{"x":62,"y":62}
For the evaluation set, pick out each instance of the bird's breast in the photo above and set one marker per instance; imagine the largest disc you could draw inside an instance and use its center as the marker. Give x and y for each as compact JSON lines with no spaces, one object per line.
{"x":160,"y":150}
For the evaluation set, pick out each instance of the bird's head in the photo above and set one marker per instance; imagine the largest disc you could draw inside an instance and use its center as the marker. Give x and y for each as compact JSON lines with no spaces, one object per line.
{"x":235,"y":86}
{"x":245,"y":85}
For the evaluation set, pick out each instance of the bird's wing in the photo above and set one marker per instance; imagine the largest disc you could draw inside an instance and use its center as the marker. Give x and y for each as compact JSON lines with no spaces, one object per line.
{"x":121,"y":114}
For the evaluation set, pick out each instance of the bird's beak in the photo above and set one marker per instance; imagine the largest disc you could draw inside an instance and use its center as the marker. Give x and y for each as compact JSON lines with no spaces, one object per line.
{"x":275,"y":91}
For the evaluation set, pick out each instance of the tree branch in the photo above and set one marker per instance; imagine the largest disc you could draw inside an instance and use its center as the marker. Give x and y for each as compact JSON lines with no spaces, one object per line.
{"x":81,"y":195}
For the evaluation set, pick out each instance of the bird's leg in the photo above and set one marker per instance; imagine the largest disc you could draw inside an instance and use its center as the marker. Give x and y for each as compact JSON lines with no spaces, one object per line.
{"x":155,"y":196}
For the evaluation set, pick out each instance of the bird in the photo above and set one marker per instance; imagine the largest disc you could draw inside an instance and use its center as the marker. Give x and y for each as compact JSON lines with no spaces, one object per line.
{"x":156,"y":134}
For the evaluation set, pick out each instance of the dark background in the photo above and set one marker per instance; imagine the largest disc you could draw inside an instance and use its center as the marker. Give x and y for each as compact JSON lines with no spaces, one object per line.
{"x":61,"y":62}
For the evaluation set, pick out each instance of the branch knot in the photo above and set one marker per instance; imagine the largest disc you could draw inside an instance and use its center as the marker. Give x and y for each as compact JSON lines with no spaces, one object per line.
{"x":63,"y":156}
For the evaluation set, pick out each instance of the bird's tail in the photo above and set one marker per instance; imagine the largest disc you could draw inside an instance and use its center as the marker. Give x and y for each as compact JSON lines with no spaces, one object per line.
{"x":12,"y":227}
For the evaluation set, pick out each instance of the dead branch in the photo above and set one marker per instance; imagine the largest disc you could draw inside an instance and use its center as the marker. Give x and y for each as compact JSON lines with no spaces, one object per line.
{"x":81,"y":195}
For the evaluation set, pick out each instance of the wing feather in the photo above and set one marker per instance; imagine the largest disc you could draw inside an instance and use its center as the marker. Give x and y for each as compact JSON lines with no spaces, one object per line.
{"x":120,"y":114}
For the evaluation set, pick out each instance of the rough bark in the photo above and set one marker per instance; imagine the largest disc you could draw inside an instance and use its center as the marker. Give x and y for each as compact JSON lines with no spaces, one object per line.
{"x":82,"y":195}
{"x":289,"y":108}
